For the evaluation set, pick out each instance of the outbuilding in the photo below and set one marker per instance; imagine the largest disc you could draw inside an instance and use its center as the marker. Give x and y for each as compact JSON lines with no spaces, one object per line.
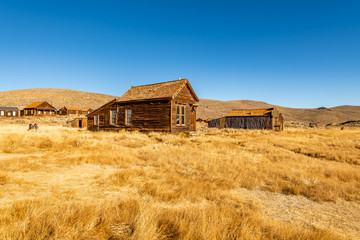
{"x":9,"y":112}
{"x":73,"y":111}
{"x":268,"y":118}
{"x":80,"y":122}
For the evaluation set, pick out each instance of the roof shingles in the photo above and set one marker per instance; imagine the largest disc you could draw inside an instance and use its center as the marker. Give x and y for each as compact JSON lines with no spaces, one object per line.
{"x":154,"y":91}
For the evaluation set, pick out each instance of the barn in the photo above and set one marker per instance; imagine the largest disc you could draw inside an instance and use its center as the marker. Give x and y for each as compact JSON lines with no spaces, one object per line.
{"x":38,"y":109}
{"x":167,"y":106}
{"x":9,"y":112}
{"x":73,"y":111}
{"x":268,"y":118}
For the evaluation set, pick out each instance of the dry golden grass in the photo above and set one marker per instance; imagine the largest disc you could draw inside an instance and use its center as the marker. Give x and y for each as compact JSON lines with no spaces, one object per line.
{"x":62,"y":183}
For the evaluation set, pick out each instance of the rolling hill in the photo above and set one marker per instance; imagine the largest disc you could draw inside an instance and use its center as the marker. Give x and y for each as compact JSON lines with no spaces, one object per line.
{"x":207,"y":108}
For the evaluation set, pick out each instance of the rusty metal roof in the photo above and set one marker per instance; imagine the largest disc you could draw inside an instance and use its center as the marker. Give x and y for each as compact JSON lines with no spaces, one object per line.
{"x":251,"y":112}
{"x":9,"y":109}
{"x":77,"y":108}
{"x":34,"y":105}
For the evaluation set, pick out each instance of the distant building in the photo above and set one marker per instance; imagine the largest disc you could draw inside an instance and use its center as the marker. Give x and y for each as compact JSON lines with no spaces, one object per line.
{"x":268,"y":118}
{"x":73,"y":111}
{"x":9,"y":112}
{"x":38,"y":109}
{"x":168,"y":106}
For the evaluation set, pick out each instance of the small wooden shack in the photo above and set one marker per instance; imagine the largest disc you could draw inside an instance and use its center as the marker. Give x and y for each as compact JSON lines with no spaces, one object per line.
{"x":80,"y":122}
{"x":268,"y":118}
{"x":9,"y":112}
{"x":38,"y":109}
{"x":168,"y":106}
{"x":73,"y":111}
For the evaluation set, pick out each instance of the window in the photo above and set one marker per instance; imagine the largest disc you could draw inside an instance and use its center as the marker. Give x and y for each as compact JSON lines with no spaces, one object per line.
{"x":180,"y":115}
{"x":9,"y":113}
{"x":2,"y":113}
{"x":14,"y":113}
{"x":113,"y":117}
{"x":32,"y":111}
{"x":39,"y":112}
{"x":96,"y":120}
{"x":128,"y":117}
{"x":183,"y":115}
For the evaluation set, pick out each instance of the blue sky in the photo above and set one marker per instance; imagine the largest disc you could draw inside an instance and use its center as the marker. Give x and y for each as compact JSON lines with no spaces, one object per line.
{"x":295,"y":53}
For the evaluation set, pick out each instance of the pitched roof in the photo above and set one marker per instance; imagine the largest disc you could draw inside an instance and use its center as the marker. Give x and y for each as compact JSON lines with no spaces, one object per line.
{"x":77,"y":108}
{"x":101,"y":107}
{"x":156,"y":91}
{"x":251,"y":112}
{"x":34,"y":105}
{"x":9,"y":109}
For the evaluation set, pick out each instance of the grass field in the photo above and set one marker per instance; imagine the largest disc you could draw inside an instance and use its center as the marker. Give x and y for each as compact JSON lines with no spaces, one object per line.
{"x":62,"y":183}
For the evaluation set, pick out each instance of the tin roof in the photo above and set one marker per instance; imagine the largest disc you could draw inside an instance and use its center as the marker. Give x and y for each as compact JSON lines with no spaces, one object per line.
{"x":9,"y":109}
{"x":251,"y":112}
{"x":77,"y":108}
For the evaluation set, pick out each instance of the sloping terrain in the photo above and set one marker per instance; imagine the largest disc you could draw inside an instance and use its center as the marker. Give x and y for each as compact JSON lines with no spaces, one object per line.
{"x":214,"y":108}
{"x":56,"y":97}
{"x":207,"y":108}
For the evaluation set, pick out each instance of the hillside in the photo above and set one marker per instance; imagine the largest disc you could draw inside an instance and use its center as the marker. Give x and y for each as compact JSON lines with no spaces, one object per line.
{"x":207,"y":108}
{"x":215,"y":108}
{"x":56,"y":97}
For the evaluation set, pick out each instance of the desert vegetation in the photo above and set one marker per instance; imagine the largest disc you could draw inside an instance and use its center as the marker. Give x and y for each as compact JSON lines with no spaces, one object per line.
{"x":62,"y":183}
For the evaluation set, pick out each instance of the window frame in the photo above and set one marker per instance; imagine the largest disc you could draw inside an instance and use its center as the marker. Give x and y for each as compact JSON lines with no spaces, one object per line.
{"x":96,"y":120}
{"x":180,"y":115}
{"x":127,"y":122}
{"x":112,"y":117}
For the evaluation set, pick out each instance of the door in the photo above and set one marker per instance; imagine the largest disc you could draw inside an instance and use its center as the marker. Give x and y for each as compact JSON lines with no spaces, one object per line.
{"x":80,"y":124}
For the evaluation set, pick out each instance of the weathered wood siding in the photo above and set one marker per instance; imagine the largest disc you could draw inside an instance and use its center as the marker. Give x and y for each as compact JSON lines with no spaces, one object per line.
{"x":245,"y":122}
{"x":9,"y":113}
{"x":258,"y":122}
{"x":146,"y":116}
{"x":185,"y":98}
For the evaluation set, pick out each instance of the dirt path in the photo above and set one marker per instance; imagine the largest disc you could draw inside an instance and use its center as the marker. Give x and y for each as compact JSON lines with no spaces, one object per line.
{"x":342,"y":217}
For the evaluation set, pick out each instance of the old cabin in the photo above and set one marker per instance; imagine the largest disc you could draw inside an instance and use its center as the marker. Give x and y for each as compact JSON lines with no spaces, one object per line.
{"x":38,"y":109}
{"x":268,"y":118}
{"x":9,"y":112}
{"x":73,"y":111}
{"x":168,"y":106}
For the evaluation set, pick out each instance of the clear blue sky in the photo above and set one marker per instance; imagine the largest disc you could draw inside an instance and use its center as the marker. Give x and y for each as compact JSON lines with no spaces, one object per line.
{"x":294,"y":53}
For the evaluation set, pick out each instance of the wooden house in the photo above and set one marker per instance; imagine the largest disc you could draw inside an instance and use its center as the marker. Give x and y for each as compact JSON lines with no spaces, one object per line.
{"x":73,"y":111}
{"x":80,"y":122}
{"x":168,"y":106}
{"x":268,"y":118}
{"x":9,"y":112}
{"x":38,"y":109}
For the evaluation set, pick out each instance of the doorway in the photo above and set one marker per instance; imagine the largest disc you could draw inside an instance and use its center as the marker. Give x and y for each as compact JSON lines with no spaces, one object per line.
{"x":80,"y":124}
